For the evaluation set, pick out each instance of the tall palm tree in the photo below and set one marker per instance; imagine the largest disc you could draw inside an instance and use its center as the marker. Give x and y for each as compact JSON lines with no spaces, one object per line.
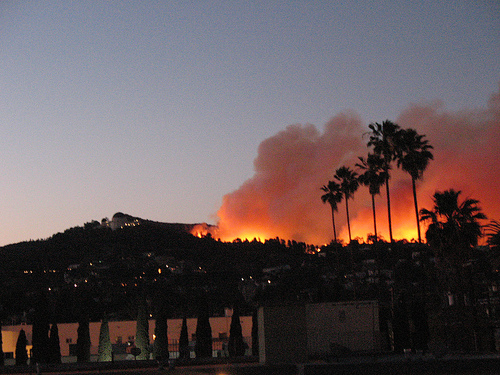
{"x":382,"y":139}
{"x":413,"y":156}
{"x":374,"y":176}
{"x":348,"y":185}
{"x":333,"y":195}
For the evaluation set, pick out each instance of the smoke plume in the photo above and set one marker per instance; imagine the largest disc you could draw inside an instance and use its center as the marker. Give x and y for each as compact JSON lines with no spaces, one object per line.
{"x":282,"y":199}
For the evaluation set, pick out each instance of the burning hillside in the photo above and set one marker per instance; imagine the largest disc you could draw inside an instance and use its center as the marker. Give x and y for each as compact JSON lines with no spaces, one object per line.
{"x":283,"y":197}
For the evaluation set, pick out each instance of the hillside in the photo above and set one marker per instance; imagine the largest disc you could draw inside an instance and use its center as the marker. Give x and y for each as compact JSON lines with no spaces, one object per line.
{"x":117,"y":265}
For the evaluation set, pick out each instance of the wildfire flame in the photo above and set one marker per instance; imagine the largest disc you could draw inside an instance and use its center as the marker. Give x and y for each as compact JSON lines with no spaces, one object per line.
{"x":282,"y":199}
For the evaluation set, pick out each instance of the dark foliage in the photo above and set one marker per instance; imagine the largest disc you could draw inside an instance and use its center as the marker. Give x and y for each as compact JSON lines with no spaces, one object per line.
{"x":21,"y":352}
{"x":184,"y":341}
{"x":2,"y":355}
{"x":83,"y":340}
{"x":203,"y":346}
{"x":236,"y":345}
{"x":105,"y":348}
{"x":54,"y":345}
{"x":162,"y":309}
{"x":40,"y":333}
{"x":142,"y":331}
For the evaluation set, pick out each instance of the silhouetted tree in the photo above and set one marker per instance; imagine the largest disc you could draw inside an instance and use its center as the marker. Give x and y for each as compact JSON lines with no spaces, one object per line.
{"x":413,"y":156}
{"x":236,"y":345}
{"x":493,"y":229}
{"x":382,"y":139}
{"x":2,"y":355}
{"x":374,"y":176}
{"x":184,"y":341}
{"x":333,"y":195}
{"x":40,"y":333}
{"x":160,"y":348}
{"x":142,"y":331}
{"x":348,"y":185}
{"x":21,"y":352}
{"x":54,"y":345}
{"x":203,"y":346}
{"x":454,"y":227}
{"x":105,"y":350}
{"x":453,"y":231}
{"x":83,"y":339}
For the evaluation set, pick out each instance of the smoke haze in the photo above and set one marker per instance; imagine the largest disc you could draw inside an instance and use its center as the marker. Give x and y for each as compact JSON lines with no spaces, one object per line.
{"x":283,"y":198}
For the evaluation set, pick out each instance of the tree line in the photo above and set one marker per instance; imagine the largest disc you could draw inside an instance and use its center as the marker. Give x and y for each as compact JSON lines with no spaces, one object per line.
{"x":388,"y":144}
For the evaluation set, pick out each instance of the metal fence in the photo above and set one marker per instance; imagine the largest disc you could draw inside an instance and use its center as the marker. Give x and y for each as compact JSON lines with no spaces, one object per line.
{"x":219,"y":347}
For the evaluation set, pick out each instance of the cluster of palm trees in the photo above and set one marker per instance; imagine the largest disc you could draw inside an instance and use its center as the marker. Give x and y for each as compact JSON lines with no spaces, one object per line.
{"x":388,"y":144}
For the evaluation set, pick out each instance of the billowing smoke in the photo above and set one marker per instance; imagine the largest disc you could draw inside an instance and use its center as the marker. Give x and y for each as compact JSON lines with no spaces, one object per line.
{"x":282,"y":199}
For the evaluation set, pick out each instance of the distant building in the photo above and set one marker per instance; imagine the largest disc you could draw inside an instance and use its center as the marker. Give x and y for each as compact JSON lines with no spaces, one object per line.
{"x":121,"y":220}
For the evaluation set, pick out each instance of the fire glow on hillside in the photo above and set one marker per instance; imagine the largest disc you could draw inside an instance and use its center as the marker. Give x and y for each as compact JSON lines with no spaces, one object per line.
{"x":282,"y":199}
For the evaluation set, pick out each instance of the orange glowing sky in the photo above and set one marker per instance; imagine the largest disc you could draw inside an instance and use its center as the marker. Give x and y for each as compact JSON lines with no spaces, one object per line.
{"x":283,"y":196}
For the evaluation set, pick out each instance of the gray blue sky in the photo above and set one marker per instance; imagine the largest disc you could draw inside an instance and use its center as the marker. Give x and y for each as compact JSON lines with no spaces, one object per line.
{"x":157,"y":108}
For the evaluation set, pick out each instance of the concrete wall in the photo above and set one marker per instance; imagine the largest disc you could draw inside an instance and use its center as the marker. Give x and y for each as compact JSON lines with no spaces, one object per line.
{"x":291,"y":334}
{"x":353,"y":325}
{"x":282,"y":334}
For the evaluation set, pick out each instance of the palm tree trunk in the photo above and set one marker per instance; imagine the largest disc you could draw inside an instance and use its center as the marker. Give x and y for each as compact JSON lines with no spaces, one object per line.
{"x":374,"y":218}
{"x":348,"y":222}
{"x":334,"y":230}
{"x":416,"y":208}
{"x":389,"y":208}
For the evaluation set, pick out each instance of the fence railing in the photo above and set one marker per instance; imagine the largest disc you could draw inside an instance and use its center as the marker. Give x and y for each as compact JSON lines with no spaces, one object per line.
{"x":219,"y":347}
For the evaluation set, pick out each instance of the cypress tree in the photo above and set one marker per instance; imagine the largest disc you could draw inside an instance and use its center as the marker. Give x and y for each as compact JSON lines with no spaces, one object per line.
{"x":184,"y":341}
{"x":54,"y":352}
{"x":21,"y":352}
{"x":142,"y":331}
{"x":236,"y":344}
{"x":2,"y":356}
{"x":160,"y":348}
{"x":105,"y":348}
{"x":40,"y":333}
{"x":203,"y":346}
{"x":83,"y":340}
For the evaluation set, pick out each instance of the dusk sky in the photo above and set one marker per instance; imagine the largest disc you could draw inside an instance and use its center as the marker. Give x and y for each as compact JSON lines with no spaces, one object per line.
{"x":166,"y":110}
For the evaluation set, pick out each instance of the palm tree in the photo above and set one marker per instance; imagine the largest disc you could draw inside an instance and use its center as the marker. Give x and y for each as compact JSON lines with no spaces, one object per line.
{"x":348,"y":185}
{"x":453,"y":225}
{"x":382,"y":139}
{"x":453,"y":232}
{"x":333,"y":195}
{"x":413,"y":156}
{"x":374,"y":176}
{"x":494,"y":234}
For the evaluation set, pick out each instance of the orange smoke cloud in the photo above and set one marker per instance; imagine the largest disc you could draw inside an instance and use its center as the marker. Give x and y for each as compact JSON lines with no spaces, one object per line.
{"x":282,"y":199}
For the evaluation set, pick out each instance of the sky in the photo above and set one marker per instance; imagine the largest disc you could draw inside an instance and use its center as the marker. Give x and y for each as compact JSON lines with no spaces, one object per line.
{"x":189,"y":111}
